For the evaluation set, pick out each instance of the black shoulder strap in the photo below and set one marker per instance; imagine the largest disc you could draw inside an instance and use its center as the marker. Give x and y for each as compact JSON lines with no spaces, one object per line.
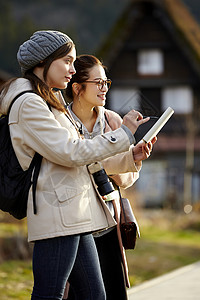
{"x":37,"y":160}
{"x":16,"y":97}
{"x":106,"y":118}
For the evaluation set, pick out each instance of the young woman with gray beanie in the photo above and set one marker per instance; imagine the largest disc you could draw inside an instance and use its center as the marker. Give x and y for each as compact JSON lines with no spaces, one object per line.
{"x":69,"y":208}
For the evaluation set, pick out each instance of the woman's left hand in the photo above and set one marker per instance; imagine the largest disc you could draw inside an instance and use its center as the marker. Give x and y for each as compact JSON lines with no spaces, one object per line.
{"x":143,"y":150}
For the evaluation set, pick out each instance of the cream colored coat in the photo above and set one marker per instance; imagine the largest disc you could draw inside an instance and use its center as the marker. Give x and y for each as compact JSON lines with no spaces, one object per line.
{"x":66,"y":198}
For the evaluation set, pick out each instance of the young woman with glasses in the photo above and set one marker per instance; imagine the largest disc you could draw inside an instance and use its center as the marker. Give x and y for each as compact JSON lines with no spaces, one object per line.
{"x":87,"y":90}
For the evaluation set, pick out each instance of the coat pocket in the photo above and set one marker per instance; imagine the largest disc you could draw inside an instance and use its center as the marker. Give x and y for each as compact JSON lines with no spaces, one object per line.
{"x":74,"y":205}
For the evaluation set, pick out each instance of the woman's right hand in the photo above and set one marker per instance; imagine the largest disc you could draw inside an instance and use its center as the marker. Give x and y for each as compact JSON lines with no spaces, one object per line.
{"x":133,"y":119}
{"x":143,"y":150}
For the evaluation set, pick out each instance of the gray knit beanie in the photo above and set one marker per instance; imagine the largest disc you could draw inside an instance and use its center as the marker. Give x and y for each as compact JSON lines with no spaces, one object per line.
{"x":40,"y":45}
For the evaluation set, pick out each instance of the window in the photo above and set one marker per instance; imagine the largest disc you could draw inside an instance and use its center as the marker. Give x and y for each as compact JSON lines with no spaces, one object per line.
{"x":150,"y":62}
{"x":179,"y":98}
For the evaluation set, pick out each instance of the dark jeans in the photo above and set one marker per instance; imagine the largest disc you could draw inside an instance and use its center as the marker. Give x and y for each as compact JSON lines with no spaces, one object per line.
{"x":70,"y":257}
{"x":111,"y":267}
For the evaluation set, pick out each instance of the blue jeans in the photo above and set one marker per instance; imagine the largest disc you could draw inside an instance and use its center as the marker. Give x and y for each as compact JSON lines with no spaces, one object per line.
{"x":111,"y":267}
{"x":72,"y":258}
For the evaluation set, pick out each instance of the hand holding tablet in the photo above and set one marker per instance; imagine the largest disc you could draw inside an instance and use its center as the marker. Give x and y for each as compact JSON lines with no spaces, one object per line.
{"x":151,"y":128}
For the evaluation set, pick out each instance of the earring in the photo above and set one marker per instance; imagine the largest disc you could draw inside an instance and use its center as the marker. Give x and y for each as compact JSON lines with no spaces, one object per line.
{"x":79,"y":102}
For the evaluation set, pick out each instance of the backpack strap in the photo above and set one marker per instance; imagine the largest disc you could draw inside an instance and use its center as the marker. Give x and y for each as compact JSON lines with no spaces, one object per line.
{"x":16,"y":97}
{"x":37,"y":159}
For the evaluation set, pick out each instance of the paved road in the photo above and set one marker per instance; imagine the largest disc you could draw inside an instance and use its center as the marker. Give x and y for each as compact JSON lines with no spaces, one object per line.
{"x":181,"y":284}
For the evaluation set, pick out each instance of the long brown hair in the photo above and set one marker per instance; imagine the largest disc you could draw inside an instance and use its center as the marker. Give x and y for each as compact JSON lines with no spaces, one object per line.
{"x":39,"y":86}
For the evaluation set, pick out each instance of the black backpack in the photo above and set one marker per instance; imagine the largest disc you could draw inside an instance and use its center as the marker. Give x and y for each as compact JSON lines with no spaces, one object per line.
{"x":15,"y":183}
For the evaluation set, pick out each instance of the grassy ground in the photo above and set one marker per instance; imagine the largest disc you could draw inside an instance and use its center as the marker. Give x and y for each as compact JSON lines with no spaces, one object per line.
{"x":15,"y":280}
{"x":168,"y":241}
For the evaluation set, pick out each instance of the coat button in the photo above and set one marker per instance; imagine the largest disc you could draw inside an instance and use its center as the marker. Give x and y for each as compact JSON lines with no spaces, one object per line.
{"x":113,"y":139}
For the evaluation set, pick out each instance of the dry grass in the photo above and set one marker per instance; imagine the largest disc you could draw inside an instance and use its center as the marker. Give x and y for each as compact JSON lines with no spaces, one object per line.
{"x":168,"y":241}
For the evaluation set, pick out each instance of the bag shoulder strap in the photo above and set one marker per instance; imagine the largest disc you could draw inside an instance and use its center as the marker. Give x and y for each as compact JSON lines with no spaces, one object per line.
{"x":16,"y":97}
{"x":107,"y":121}
{"x":37,"y":161}
{"x":121,"y":202}
{"x":106,"y":118}
{"x":112,"y":119}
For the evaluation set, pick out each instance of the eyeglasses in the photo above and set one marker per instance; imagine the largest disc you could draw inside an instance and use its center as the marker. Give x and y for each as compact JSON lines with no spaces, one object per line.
{"x":100,"y":83}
